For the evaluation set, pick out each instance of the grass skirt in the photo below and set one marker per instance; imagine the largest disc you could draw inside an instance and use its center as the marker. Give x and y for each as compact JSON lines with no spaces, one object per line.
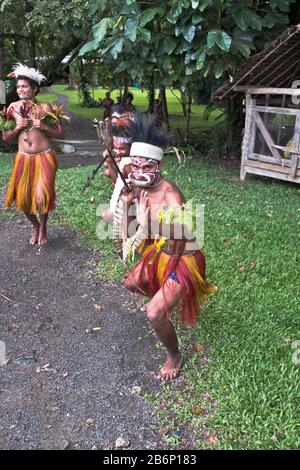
{"x":32,"y":184}
{"x":190,"y":272}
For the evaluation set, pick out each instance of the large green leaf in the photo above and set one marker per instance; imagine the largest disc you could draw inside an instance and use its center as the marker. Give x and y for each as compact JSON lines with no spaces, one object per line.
{"x":240,"y":17}
{"x":190,"y":69}
{"x":98,"y":5}
{"x":244,"y":48}
{"x":145,"y":34}
{"x":175,"y":12}
{"x":212,"y":38}
{"x":121,"y":67}
{"x":253,"y":20}
{"x":117,"y":48}
{"x":206,"y":69}
{"x":218,"y":69}
{"x":204,"y":4}
{"x":88,"y":47}
{"x":196,"y":19}
{"x":178,"y":30}
{"x":166,"y":62}
{"x":100,"y":29}
{"x":130,"y":31}
{"x":201,"y":60}
{"x":189,"y":32}
{"x":283,"y":5}
{"x":222,"y":39}
{"x":169,"y":44}
{"x":149,"y":14}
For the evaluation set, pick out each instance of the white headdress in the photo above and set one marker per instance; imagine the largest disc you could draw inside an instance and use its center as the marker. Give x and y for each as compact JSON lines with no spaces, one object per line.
{"x":123,"y":140}
{"x":29,"y":72}
{"x":142,"y":149}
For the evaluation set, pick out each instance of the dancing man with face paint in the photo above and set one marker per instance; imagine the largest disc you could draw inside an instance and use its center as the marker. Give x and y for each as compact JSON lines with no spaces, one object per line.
{"x":31,"y":187}
{"x":121,"y":148}
{"x":172,"y":268}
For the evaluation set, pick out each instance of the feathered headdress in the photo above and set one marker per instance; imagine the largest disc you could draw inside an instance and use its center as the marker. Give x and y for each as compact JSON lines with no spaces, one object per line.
{"x":28,"y":72}
{"x":147,"y":140}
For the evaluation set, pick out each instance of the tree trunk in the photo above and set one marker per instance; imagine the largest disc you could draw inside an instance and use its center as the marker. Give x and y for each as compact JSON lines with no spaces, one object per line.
{"x":125,"y":94}
{"x":164,"y":105}
{"x":294,"y":13}
{"x":1,"y":59}
{"x":235,"y":119}
{"x":32,"y":50}
{"x":188,"y":113}
{"x":151,"y":94}
{"x":183,"y":101}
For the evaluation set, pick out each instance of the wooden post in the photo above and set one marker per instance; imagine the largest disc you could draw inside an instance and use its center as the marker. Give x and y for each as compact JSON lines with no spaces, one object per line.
{"x":267,"y":102}
{"x":283,"y":99}
{"x":249,"y":134}
{"x":2,"y":92}
{"x":296,"y":145}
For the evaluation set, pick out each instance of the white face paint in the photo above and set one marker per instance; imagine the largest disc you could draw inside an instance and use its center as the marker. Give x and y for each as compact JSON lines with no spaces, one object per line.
{"x":144,"y":171}
{"x":25,"y":91}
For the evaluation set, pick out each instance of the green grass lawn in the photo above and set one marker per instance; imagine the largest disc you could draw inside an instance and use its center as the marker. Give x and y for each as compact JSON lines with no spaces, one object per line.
{"x":47,"y":97}
{"x":241,"y":387}
{"x":140,"y":101}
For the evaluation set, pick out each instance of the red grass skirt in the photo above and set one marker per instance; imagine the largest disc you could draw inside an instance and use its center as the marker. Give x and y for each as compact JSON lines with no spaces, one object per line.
{"x":32,"y":184}
{"x":190,"y":272}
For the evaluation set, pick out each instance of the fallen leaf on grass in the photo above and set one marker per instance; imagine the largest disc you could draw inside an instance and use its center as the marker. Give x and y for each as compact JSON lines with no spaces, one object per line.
{"x":198,"y":347}
{"x":212,"y":440}
{"x":197,"y":410}
{"x":163,"y":431}
{"x":241,"y":267}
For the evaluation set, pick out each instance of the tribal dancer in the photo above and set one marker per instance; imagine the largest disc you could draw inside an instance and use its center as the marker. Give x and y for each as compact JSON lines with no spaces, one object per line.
{"x":172,"y":268}
{"x":121,"y":148}
{"x":32,"y":184}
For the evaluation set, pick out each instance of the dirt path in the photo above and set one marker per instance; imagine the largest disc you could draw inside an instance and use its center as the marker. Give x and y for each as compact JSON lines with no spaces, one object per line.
{"x":67,"y":385}
{"x":70,"y":387}
{"x":79,"y":128}
{"x":85,"y":397}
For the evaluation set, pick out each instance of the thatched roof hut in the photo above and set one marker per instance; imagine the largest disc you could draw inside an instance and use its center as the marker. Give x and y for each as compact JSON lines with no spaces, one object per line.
{"x":271,"y":81}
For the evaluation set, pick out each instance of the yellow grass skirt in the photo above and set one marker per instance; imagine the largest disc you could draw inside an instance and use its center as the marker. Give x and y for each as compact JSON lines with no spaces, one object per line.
{"x":188,"y":271}
{"x":32,"y":184}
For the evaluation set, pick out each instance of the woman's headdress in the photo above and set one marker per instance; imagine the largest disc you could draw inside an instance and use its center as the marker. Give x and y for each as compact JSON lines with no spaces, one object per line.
{"x":28,"y":72}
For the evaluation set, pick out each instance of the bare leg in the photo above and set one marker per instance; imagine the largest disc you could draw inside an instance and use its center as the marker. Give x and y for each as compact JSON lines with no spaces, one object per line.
{"x":156,"y":311}
{"x":36,"y":228}
{"x":43,"y":229}
{"x":131,"y":280}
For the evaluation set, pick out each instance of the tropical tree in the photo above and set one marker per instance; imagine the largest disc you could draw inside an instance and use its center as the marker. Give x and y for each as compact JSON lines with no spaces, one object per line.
{"x":42,"y":32}
{"x":183,"y":41}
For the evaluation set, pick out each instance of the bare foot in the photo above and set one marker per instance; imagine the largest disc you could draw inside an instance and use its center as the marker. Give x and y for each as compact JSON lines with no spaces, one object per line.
{"x":34,"y":236}
{"x":171,"y":368}
{"x":42,"y":237}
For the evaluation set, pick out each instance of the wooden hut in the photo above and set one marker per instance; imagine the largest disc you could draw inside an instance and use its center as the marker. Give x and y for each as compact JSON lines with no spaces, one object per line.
{"x":2,"y":92}
{"x":271,"y":142}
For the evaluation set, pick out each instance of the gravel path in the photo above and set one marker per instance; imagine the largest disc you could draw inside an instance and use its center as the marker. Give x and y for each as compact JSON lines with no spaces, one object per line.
{"x":67,"y":385}
{"x":80,"y":353}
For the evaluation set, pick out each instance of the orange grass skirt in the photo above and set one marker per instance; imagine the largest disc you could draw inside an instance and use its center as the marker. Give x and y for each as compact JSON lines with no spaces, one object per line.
{"x":190,"y":272}
{"x":32,"y":184}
